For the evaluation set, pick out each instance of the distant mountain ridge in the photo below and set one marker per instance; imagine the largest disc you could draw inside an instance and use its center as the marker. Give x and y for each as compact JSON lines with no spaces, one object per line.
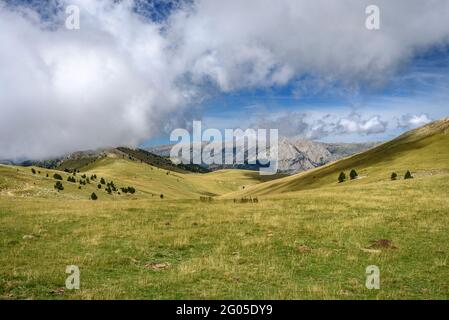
{"x":294,"y":155}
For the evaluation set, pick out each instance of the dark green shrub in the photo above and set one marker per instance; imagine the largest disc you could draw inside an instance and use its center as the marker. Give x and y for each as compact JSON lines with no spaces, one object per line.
{"x":57,"y":176}
{"x":408,"y":175}
{"x":33,"y":171}
{"x":353,"y":174}
{"x":394,"y":176}
{"x":128,"y":190}
{"x":59,"y":186}
{"x":342,"y":177}
{"x":93,"y":196}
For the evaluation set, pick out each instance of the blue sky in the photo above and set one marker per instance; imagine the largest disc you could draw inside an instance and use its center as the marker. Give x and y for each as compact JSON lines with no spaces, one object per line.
{"x":420,"y":87}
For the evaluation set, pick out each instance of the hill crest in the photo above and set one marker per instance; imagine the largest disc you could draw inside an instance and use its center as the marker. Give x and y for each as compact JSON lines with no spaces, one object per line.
{"x":424,"y":151}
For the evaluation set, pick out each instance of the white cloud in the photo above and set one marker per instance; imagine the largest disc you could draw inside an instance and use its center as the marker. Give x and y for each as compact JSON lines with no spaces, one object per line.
{"x":109,"y":83}
{"x":121,"y":78}
{"x":410,"y":121}
{"x":354,"y":123}
{"x":262,"y":42}
{"x":312,"y":126}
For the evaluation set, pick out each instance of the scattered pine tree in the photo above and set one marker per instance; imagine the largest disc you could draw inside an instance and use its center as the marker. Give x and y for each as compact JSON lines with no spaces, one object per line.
{"x":408,"y":175}
{"x":128,"y":190}
{"x":342,"y":177}
{"x":57,"y":176}
{"x":102,"y":181}
{"x":59,"y":186}
{"x":93,"y":196}
{"x":394,"y":176}
{"x":353,"y":174}
{"x":33,"y":171}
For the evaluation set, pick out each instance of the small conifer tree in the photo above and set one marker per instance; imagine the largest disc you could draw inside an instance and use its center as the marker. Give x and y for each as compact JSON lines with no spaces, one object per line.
{"x":408,"y":175}
{"x":59,"y":186}
{"x":353,"y":174}
{"x":342,"y":177}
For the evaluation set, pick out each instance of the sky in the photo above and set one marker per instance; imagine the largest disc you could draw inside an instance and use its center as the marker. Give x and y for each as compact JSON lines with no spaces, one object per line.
{"x":136,"y":70}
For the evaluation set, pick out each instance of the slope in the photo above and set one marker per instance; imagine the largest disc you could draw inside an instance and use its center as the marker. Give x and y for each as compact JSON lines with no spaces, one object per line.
{"x":149,"y":181}
{"x":154,"y":181}
{"x":423,"y":151}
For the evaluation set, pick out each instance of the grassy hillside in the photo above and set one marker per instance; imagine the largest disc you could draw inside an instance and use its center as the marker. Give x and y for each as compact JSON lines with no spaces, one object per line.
{"x":149,"y":181}
{"x":161,"y":162}
{"x":20,"y":182}
{"x":423,"y":151}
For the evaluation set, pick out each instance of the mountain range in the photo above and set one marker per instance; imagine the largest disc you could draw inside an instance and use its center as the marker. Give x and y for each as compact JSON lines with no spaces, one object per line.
{"x":294,"y":154}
